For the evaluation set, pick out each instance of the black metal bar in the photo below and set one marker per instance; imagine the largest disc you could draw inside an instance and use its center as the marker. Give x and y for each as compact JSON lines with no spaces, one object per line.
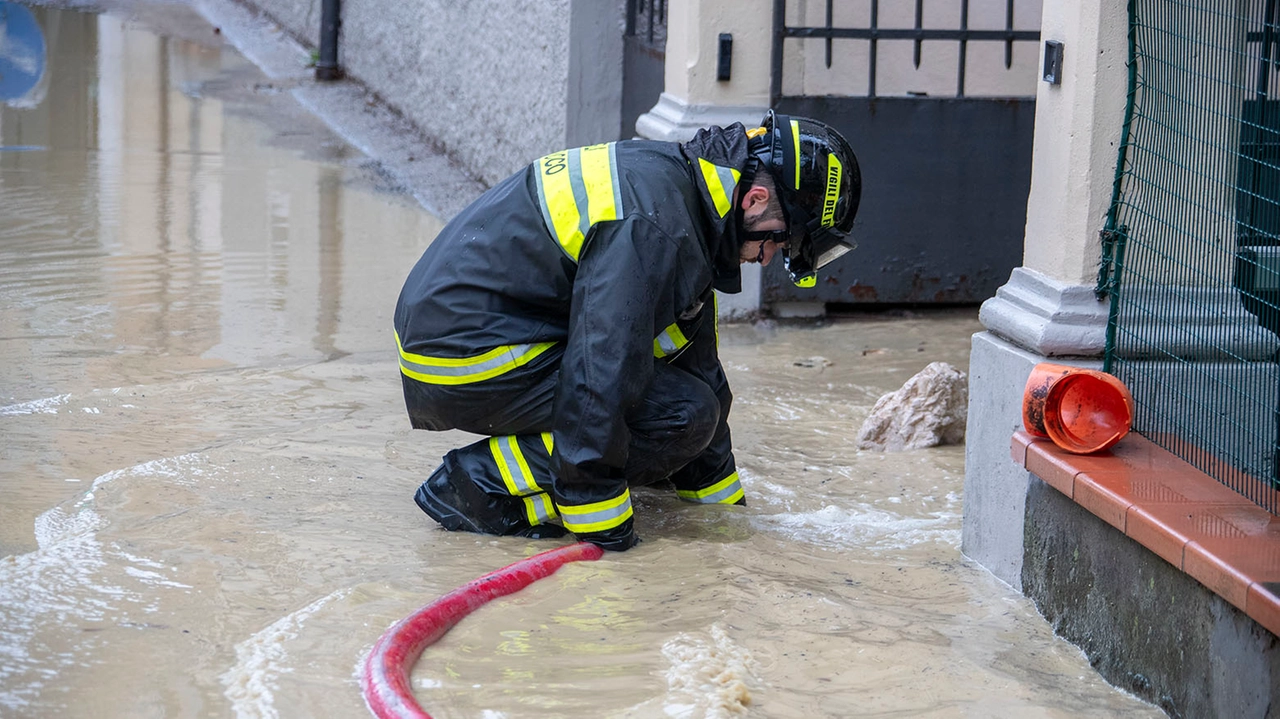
{"x":1008,"y":25}
{"x":919,"y":26}
{"x":779,"y":33}
{"x":631,"y":18}
{"x":828,"y":40}
{"x":1268,"y":44}
{"x":875,"y":25}
{"x":330,"y":22}
{"x":964,"y":46}
{"x":853,"y":33}
{"x":651,"y":14}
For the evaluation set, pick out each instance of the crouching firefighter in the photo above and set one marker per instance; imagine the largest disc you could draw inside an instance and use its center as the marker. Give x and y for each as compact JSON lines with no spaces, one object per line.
{"x":568,"y":315}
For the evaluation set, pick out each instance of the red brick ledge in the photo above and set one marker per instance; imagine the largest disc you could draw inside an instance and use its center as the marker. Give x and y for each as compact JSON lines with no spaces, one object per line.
{"x":1202,"y":527}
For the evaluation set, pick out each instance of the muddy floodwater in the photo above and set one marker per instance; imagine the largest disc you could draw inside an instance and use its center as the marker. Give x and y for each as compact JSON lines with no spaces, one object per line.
{"x":206,"y":472}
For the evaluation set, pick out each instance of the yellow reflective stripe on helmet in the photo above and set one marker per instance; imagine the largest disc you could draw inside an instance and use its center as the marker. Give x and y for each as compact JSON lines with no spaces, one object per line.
{"x":835,"y":171}
{"x":726,"y":491}
{"x":576,"y":189}
{"x":597,"y":516}
{"x":671,"y":340}
{"x":465,"y":370}
{"x":795,"y":138}
{"x":549,"y":442}
{"x":512,"y":466}
{"x":539,"y":509}
{"x":721,"y":182}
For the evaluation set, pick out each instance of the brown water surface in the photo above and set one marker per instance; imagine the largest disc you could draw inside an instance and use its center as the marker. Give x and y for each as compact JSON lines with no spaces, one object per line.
{"x":206,"y":471}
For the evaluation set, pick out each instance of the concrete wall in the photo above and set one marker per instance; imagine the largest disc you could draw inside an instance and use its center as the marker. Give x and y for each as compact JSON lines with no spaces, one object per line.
{"x":497,"y":84}
{"x":1145,"y":626}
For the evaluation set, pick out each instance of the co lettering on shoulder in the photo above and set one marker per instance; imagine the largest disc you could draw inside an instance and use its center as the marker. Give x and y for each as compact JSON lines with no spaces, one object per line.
{"x":555,"y":163}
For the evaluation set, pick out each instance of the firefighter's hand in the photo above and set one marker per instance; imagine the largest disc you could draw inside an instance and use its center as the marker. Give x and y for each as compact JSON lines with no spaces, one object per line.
{"x":618,"y":539}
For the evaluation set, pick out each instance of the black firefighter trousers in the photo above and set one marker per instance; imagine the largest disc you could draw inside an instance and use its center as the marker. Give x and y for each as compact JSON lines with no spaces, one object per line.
{"x":500,"y":485}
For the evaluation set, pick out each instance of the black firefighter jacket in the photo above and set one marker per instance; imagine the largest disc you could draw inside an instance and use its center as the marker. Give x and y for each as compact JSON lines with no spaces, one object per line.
{"x":609,"y":252}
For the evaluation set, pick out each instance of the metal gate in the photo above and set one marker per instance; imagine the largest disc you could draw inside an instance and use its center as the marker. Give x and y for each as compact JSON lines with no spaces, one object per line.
{"x":945,"y":179}
{"x":644,"y":46}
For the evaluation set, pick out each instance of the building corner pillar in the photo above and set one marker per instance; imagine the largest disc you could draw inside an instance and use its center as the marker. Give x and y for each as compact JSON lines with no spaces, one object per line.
{"x":1047,"y":310}
{"x":695,"y":96}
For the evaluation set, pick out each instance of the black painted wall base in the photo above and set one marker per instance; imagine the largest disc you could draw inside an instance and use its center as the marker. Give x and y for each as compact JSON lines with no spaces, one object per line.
{"x":1147,"y":627}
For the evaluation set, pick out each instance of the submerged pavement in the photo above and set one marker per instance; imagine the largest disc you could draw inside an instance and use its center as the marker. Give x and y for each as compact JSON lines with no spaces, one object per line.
{"x":207,"y":472}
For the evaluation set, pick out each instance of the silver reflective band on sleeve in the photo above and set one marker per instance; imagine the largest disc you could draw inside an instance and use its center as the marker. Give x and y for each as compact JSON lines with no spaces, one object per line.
{"x":597,"y":516}
{"x":465,"y":370}
{"x":720,"y":182}
{"x":576,"y":189}
{"x":671,"y":340}
{"x":726,"y":491}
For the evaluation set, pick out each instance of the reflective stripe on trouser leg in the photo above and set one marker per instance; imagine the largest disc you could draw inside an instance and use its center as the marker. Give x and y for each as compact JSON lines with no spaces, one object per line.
{"x":726,"y":491}
{"x":510,"y":468}
{"x":597,"y":516}
{"x":519,"y":469}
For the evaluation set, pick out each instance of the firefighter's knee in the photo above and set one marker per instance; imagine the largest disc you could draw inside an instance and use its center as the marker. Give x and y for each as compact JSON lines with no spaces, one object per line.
{"x":701,"y":418}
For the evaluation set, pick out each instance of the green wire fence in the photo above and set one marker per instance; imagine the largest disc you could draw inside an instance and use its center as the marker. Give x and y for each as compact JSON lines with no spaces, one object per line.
{"x":1191,"y":246}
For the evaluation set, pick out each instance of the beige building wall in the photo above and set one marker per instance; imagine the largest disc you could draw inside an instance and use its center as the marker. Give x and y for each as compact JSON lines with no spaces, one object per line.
{"x":896,"y":72}
{"x":1078,"y":126}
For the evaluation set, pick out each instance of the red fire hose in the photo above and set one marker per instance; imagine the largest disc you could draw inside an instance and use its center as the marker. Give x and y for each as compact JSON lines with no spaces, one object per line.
{"x":386,"y":671}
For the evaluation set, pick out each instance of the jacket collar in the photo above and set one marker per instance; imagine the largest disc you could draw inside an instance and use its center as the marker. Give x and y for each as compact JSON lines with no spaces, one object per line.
{"x":717,"y":157}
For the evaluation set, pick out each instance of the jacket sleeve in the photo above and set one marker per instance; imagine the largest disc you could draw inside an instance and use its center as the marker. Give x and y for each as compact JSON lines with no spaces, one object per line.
{"x":625,"y":272}
{"x":712,"y":477}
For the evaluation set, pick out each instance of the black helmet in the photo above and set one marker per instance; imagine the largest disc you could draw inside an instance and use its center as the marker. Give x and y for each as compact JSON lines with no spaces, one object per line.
{"x":819,"y":186}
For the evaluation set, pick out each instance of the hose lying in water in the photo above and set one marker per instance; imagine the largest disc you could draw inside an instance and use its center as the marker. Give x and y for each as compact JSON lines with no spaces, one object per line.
{"x":385,"y":679}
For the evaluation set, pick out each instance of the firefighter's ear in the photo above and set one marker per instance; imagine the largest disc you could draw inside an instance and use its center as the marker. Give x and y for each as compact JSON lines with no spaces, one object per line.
{"x":754,"y":196}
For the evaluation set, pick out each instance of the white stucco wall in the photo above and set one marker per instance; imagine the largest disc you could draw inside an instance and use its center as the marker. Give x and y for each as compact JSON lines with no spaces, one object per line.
{"x":495,"y":83}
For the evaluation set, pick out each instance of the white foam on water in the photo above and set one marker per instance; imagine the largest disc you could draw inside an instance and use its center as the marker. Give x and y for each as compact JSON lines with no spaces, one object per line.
{"x":763,"y":487}
{"x":61,"y":587}
{"x":710,"y":676}
{"x":154,"y":578}
{"x":46,"y":405}
{"x":864,"y":527}
{"x":262,"y":658}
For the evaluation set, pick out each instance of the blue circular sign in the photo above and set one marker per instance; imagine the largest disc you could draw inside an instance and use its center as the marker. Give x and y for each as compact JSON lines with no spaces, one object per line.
{"x":22,"y":51}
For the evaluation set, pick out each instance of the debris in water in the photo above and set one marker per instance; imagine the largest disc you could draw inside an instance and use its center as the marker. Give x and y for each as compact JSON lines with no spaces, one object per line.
{"x":928,"y":410}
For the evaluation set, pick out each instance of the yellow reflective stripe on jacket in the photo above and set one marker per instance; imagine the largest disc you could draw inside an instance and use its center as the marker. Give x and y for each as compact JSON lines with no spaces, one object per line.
{"x":576,"y":189}
{"x":512,"y":466}
{"x":597,"y":516}
{"x":715,"y":316}
{"x":721,"y":182}
{"x":671,"y":340}
{"x":539,"y":508}
{"x":549,"y":442}
{"x":726,"y":491}
{"x":465,"y":370}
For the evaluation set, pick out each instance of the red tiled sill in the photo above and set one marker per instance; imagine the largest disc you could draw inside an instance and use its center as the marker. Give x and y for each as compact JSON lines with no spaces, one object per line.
{"x":1202,"y":527}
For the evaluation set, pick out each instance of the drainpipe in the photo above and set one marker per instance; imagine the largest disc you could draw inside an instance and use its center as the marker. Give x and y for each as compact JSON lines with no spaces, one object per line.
{"x":327,"y":65}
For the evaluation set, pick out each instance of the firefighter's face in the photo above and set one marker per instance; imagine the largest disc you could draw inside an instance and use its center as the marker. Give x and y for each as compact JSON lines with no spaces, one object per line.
{"x":761,"y":251}
{"x":759,"y":216}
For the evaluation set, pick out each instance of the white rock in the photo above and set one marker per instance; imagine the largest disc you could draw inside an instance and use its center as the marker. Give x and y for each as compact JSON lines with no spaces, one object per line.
{"x":929,"y":410}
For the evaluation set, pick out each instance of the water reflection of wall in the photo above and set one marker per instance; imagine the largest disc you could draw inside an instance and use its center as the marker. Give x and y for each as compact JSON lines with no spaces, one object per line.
{"x":159,"y":179}
{"x":192,"y":224}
